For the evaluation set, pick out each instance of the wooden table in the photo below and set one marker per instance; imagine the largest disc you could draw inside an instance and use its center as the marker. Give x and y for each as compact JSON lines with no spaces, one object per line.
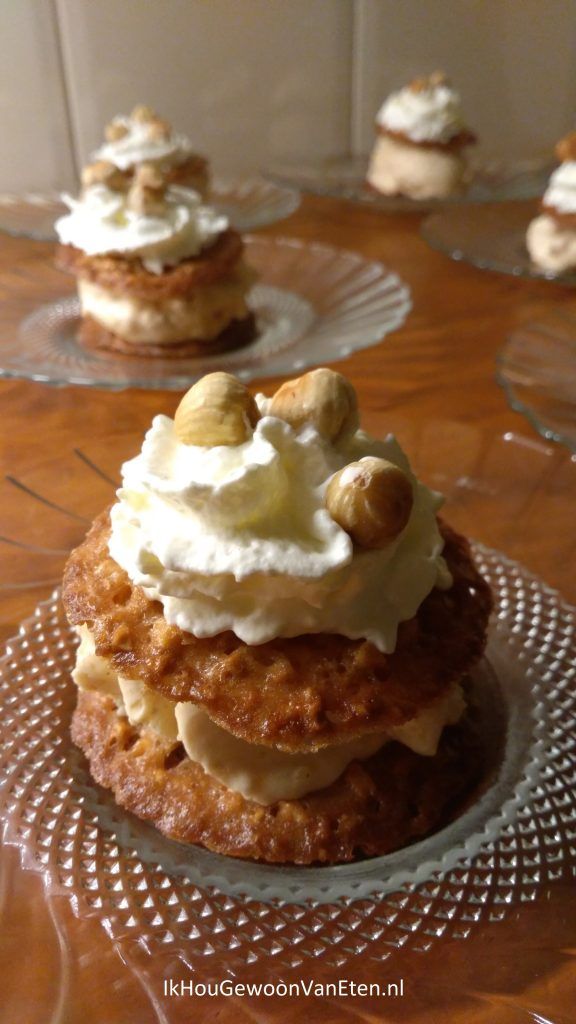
{"x":437,"y":369}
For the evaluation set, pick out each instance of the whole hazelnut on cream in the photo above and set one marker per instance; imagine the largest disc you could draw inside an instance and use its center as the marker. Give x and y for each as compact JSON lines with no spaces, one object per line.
{"x":217,"y":410}
{"x":323,"y":398}
{"x":370,"y":499}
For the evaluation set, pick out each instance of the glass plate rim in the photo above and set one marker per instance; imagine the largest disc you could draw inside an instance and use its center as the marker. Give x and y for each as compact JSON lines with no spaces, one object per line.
{"x":350,"y":888}
{"x":527,"y":271}
{"x":277,"y":364}
{"x":288,"y":198}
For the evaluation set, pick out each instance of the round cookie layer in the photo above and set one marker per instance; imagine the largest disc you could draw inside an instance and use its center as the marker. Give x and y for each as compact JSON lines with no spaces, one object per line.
{"x":376,"y":806}
{"x":300,"y":693}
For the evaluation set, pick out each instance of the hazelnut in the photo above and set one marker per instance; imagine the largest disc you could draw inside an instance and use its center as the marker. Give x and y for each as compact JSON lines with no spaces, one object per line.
{"x":566,"y":148}
{"x":148,"y":190}
{"x":143,"y":113}
{"x":217,"y":410}
{"x":372,"y":500}
{"x":426,"y":82}
{"x":159,"y":130}
{"x":322,"y":398}
{"x":104,"y":173}
{"x":115,"y":130}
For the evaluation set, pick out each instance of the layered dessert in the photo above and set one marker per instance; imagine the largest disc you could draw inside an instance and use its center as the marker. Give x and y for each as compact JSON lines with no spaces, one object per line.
{"x":421,"y":143}
{"x":276,"y":632}
{"x":551,"y":236}
{"x":159,"y":273}
{"x":143,"y":137}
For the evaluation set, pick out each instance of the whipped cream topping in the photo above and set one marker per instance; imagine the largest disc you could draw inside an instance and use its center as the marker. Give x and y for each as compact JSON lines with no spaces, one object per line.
{"x":431,"y":115}
{"x":141,"y":144}
{"x":238,"y":537}
{"x":100,"y":221}
{"x":561,"y":191}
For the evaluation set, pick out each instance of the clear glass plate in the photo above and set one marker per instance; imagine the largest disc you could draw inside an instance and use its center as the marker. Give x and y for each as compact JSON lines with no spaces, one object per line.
{"x":489,"y":236}
{"x":537,"y":369}
{"x":249,"y":203}
{"x":345,"y":178}
{"x":313,"y":304}
{"x":163,"y":923}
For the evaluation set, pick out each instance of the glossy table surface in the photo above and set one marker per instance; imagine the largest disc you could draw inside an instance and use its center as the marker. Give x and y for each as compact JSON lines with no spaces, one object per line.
{"x":432,"y":381}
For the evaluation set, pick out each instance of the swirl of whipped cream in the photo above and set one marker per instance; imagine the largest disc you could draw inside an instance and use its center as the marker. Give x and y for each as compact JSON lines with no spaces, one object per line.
{"x":561,"y":190}
{"x":100,"y":221}
{"x":431,"y":115}
{"x":140,"y":144}
{"x":238,"y":537}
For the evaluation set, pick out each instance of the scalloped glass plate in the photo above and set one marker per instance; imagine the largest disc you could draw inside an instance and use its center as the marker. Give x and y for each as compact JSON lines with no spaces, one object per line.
{"x":345,"y":178}
{"x":165,"y":924}
{"x":537,"y":369}
{"x":490,"y":237}
{"x":249,"y":203}
{"x":313,"y":304}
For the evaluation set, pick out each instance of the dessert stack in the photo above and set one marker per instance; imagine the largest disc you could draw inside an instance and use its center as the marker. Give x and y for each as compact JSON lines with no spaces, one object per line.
{"x":276,"y":632}
{"x":422,"y":137}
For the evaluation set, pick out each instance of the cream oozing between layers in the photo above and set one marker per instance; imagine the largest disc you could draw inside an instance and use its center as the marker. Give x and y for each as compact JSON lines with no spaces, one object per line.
{"x":203,"y":314}
{"x":432,"y":114}
{"x":238,"y":537}
{"x":259,"y":773}
{"x":143,"y":144}
{"x":101,"y":221}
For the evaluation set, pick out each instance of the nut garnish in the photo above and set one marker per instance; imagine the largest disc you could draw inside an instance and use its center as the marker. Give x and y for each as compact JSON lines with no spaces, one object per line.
{"x":115,"y":130}
{"x":427,"y":82}
{"x":159,"y":129}
{"x":323,"y":398}
{"x":102,"y":172}
{"x":143,"y":113}
{"x":372,"y":500}
{"x":217,"y":410}
{"x":566,"y":148}
{"x":147,"y":195}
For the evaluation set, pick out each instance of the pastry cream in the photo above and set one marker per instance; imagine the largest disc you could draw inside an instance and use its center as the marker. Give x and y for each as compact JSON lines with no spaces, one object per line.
{"x":552,"y":245}
{"x":202,"y":314}
{"x":238,"y":537}
{"x":259,"y":773}
{"x":420,"y":172}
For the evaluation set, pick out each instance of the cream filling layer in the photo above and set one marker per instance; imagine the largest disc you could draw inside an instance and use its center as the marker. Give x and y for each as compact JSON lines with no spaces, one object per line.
{"x":203,"y":314}
{"x":419,"y":172}
{"x":262,"y":774}
{"x":552,"y":247}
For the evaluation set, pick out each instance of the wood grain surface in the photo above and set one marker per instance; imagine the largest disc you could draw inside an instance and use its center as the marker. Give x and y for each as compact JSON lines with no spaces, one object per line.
{"x":432,"y":382}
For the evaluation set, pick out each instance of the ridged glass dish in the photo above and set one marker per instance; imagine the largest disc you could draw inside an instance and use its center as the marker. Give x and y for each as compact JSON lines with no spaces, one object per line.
{"x":313,"y":304}
{"x":537,"y":369}
{"x":249,"y":203}
{"x":489,"y":236}
{"x":345,"y":178}
{"x":166,"y":924}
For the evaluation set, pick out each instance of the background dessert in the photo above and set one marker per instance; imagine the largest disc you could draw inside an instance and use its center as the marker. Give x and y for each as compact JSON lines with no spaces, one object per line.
{"x":143,"y":137}
{"x":159,"y":272}
{"x":551,"y":236}
{"x":420,"y":149}
{"x":276,"y":632}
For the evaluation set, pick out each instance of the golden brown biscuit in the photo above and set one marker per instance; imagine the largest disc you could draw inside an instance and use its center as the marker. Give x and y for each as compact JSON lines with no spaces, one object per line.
{"x":455,"y":144}
{"x":235,"y":335}
{"x":127,"y":275}
{"x":376,"y":806}
{"x":301,"y":693}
